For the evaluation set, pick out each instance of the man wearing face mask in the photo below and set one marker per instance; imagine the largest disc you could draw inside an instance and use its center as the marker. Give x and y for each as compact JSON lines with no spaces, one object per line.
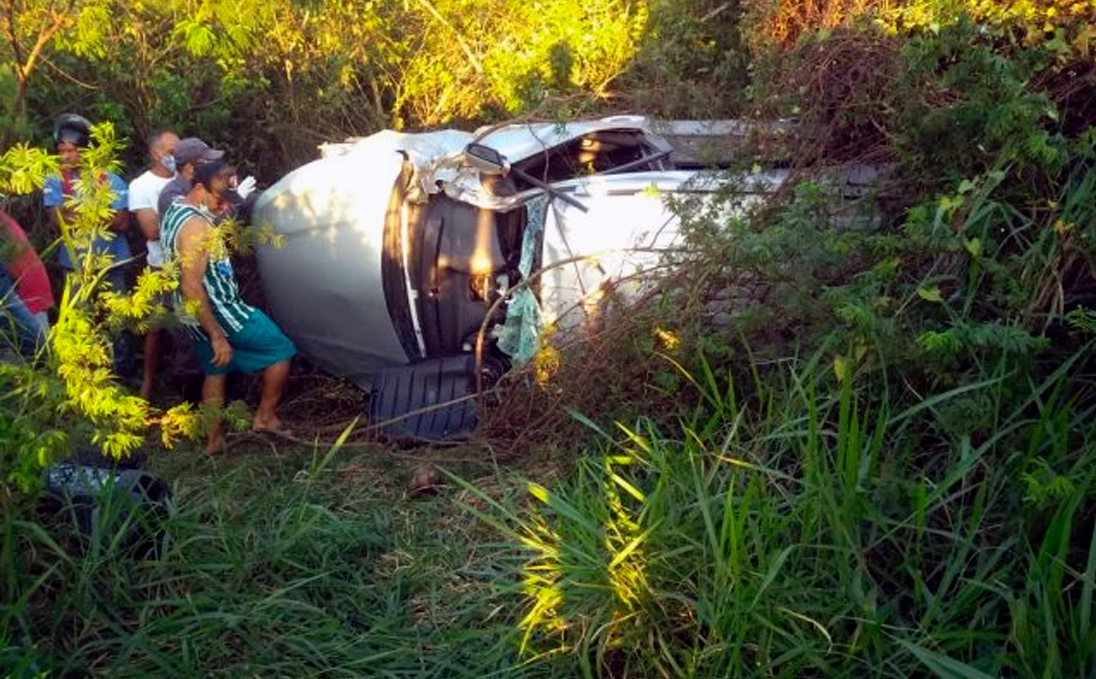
{"x":188,"y":152}
{"x":230,"y":335}
{"x":144,"y":195}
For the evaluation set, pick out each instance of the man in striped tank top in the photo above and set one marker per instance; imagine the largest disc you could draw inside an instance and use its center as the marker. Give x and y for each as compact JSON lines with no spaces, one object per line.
{"x":229,"y":334}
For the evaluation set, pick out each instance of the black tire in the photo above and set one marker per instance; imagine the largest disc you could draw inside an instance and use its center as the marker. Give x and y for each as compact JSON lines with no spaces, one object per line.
{"x":103,"y":501}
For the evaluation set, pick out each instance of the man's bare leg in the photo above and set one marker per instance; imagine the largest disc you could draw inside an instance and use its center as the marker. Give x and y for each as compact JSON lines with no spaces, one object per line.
{"x":213,"y":397}
{"x":274,"y":381}
{"x":152,"y":359}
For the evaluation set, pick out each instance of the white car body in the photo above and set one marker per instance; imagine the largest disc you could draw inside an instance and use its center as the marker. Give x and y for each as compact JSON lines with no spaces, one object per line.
{"x":397,"y":248}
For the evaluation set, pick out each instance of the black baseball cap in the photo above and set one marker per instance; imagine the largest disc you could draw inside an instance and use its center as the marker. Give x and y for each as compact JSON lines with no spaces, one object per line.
{"x":193,"y":149}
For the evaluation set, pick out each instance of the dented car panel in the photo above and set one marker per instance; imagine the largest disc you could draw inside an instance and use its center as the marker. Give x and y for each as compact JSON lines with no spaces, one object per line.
{"x":324,"y":283}
{"x":400,"y":249}
{"x":619,"y":243}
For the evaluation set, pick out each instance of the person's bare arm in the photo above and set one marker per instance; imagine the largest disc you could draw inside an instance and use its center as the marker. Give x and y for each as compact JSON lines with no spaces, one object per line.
{"x":149,"y":222}
{"x":53,"y":215}
{"x":193,"y":240}
{"x":120,"y":222}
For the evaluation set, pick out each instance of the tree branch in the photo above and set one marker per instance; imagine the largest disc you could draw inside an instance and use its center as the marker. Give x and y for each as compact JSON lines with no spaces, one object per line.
{"x":24,"y":66}
{"x":472,"y":58}
{"x":45,"y":35}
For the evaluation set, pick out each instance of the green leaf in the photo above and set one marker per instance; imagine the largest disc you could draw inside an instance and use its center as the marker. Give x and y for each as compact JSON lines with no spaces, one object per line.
{"x":197,"y":37}
{"x":974,"y":247}
{"x":539,"y":492}
{"x":943,"y":666}
{"x":930,"y":294}
{"x":842,"y":368}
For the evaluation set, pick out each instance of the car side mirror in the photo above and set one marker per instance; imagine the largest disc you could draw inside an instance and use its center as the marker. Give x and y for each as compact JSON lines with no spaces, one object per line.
{"x":486,"y":159}
{"x":489,"y":161}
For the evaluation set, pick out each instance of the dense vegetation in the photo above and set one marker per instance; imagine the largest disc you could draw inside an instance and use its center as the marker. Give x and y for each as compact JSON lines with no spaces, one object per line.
{"x":271,"y":80}
{"x":883,"y":466}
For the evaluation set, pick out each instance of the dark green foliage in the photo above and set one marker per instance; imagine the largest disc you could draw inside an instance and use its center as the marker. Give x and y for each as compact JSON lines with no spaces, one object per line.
{"x":882,"y":466}
{"x":692,"y":61}
{"x":827,"y":534}
{"x":877,"y":463}
{"x":285,"y":567}
{"x":966,"y":103}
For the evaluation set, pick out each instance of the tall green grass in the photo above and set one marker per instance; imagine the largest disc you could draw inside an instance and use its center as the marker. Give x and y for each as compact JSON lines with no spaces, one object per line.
{"x":795,"y":524}
{"x":811,"y":531}
{"x":789,"y":527}
{"x":274,"y":567}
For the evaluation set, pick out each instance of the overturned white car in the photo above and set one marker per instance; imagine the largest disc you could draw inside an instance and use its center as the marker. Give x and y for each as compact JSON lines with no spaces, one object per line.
{"x":404,"y":254}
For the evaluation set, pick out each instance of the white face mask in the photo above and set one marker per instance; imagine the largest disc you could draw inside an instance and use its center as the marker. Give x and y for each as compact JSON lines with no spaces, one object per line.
{"x":168,"y":162}
{"x":206,"y":204}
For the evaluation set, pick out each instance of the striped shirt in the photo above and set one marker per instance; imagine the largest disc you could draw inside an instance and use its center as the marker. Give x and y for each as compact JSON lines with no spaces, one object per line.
{"x":219,"y":281}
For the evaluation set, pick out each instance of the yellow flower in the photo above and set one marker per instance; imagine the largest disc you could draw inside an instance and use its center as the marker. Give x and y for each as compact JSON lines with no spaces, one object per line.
{"x":545,"y":364}
{"x":669,"y":340}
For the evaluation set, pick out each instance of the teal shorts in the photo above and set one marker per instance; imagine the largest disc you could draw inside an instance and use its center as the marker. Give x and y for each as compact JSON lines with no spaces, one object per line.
{"x":256,"y":346}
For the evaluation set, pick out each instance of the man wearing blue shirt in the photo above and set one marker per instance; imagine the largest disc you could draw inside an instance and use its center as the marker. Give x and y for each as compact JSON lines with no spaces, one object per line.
{"x":71,"y":135}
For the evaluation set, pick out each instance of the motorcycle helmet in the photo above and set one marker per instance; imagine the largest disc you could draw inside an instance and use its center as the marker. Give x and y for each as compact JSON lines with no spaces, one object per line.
{"x":72,"y":128}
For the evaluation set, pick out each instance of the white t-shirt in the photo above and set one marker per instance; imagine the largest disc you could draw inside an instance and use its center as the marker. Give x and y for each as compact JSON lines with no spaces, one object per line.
{"x":144,"y":192}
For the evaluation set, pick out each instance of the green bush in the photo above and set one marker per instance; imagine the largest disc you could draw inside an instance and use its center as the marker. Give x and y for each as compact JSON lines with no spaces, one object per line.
{"x":879,"y":463}
{"x":829,"y":533}
{"x":283,"y":566}
{"x":66,"y":396}
{"x":269,"y":81}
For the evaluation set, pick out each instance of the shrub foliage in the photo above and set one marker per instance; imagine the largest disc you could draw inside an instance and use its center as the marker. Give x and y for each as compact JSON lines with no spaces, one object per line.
{"x":845,"y":438}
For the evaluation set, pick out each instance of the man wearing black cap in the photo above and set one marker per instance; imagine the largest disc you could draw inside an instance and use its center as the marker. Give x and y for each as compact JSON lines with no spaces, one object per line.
{"x":189,"y":152}
{"x":230,"y":335}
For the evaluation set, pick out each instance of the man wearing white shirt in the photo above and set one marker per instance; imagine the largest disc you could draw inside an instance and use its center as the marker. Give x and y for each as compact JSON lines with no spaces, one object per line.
{"x":144,"y":195}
